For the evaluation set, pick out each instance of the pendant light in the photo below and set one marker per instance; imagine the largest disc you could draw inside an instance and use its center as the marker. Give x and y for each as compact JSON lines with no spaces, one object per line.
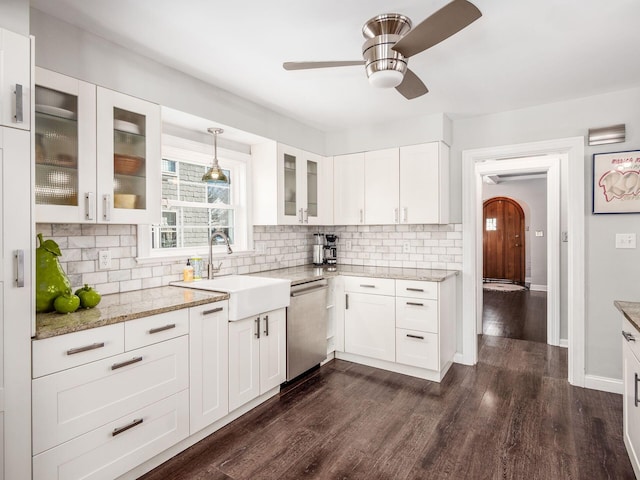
{"x":215,"y":174}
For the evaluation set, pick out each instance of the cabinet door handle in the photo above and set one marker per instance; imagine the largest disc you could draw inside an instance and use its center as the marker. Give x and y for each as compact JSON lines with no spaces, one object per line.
{"x":19,"y":116}
{"x":366,"y":285}
{"x":416,"y":304}
{"x":257,"y":334}
{"x":106,"y":208}
{"x":635,"y":390}
{"x":162,"y":329}
{"x":419,"y":337}
{"x":346,"y":301}
{"x":213,"y":310}
{"x":19,"y":256}
{"x":119,"y":430}
{"x":116,"y":366}
{"x":409,"y":289}
{"x":405,"y":215}
{"x":396,"y":215}
{"x":89,"y":205}
{"x":266,"y":325}
{"x":306,"y":215}
{"x":361,"y":215}
{"x":300,"y":217}
{"x":628,"y":336}
{"x":86,"y":348}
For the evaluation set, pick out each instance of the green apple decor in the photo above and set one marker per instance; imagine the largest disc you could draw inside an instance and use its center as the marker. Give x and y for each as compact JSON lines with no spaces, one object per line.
{"x":51,"y":281}
{"x":89,"y":298}
{"x":67,"y":302}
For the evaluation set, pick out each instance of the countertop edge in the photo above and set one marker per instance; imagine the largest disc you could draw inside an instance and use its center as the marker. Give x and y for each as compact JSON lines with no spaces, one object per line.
{"x":625,"y":308}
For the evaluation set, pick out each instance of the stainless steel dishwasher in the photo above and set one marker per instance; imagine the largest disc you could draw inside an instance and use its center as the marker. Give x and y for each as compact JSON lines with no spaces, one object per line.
{"x":306,"y":327}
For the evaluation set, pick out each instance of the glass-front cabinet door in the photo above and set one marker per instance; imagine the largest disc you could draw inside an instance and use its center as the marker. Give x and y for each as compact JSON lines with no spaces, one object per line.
{"x":299,"y":177}
{"x":129,"y":164}
{"x":65,"y":148}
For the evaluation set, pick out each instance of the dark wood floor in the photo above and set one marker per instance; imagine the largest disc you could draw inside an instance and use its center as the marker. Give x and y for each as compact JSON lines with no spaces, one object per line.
{"x":519,"y":315}
{"x":512,"y":416}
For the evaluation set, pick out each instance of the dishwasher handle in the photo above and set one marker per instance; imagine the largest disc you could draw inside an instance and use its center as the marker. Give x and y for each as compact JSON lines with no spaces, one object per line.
{"x":306,"y":291}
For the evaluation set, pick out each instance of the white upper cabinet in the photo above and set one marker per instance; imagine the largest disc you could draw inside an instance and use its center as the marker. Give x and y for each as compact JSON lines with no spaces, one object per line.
{"x":398,"y":185}
{"x":381,"y":187}
{"x":424,"y":183}
{"x":15,"y":80}
{"x":290,"y":186}
{"x":97,"y":153}
{"x":348,"y":193}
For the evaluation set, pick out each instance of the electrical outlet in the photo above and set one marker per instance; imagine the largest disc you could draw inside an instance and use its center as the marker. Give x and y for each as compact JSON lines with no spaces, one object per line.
{"x":348,"y":244}
{"x":104,"y":259}
{"x":406,"y":247}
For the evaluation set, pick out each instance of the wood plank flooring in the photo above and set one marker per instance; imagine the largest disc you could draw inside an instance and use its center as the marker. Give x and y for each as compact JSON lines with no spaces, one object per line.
{"x":512,"y":416}
{"x":520,"y":315}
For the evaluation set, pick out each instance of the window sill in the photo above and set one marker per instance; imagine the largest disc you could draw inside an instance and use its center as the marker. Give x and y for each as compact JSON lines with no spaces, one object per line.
{"x":176,"y":257}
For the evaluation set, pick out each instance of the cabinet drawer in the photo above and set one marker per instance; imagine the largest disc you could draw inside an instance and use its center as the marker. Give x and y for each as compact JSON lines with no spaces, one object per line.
{"x":417,"y":314}
{"x":375,"y":286}
{"x":628,"y":328}
{"x":99,"y":454}
{"x":156,"y":328}
{"x":65,"y":351}
{"x":417,"y":289}
{"x":416,"y":348}
{"x":70,"y":403}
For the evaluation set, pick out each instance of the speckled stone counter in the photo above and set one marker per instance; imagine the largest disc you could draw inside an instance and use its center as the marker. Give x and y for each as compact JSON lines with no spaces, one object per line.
{"x":631,"y":311}
{"x":308,"y":273}
{"x":121,"y":307}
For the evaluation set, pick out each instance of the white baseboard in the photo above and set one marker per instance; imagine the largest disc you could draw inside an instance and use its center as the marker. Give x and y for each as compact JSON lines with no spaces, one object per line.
{"x":605,"y":384}
{"x":564,"y":343}
{"x":538,"y":288}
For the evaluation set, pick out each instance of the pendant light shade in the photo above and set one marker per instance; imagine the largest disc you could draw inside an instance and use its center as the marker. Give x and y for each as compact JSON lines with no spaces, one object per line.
{"x":215,"y":173}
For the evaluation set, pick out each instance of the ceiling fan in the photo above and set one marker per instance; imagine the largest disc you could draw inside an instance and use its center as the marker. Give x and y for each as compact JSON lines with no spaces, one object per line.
{"x":390,"y":42}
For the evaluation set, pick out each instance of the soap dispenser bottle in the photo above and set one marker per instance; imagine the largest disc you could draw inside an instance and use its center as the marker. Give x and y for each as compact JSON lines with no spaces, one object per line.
{"x":187,"y":273}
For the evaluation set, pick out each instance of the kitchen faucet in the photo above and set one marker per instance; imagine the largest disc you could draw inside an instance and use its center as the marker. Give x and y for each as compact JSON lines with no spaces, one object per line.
{"x":211,"y":270}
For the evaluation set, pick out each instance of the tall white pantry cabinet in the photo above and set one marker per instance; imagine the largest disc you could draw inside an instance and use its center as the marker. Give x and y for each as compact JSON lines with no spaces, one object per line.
{"x":16,"y":237}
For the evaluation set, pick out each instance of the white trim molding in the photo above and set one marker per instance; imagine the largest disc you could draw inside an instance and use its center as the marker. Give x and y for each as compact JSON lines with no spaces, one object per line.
{"x":547,"y":156}
{"x":538,"y":288}
{"x":604,"y":384}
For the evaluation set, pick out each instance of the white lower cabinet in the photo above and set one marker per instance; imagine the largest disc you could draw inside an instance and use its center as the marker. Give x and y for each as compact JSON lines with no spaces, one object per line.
{"x":257,"y":356}
{"x":118,"y":446}
{"x":208,"y":364}
{"x":631,"y":398}
{"x":369,"y":326}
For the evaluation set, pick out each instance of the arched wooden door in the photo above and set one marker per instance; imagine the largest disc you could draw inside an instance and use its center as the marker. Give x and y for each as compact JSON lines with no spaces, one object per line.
{"x":503,"y":240}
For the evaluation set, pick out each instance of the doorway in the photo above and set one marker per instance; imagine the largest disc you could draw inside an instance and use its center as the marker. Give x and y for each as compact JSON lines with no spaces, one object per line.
{"x":503,"y":242}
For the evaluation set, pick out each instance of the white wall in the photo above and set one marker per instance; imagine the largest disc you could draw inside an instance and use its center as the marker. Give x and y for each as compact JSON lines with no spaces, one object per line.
{"x":610,"y":274}
{"x":66,"y":49}
{"x":14,"y":16}
{"x":532,"y":196}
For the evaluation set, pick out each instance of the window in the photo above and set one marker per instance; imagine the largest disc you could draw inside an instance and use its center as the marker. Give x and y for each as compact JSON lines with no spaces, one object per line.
{"x":491,"y":224}
{"x":192,"y":209}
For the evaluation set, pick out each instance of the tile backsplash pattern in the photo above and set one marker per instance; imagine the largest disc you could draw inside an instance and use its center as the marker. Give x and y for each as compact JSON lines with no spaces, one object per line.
{"x":430,"y":246}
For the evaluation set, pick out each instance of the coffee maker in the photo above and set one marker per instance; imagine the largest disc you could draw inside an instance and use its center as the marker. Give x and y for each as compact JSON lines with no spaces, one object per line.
{"x":318,"y":249}
{"x":331,"y":250}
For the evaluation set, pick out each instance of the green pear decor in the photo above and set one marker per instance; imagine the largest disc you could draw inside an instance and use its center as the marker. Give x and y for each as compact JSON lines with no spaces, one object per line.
{"x":51,"y":281}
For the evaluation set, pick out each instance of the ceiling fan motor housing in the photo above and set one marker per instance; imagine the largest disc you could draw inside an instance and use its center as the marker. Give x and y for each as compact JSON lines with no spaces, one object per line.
{"x":385,"y":67}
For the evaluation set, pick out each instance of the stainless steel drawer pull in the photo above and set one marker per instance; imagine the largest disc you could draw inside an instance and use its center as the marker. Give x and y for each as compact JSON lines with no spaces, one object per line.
{"x":162,"y":329}
{"x":86,"y":348}
{"x":416,"y":304}
{"x":118,"y":431}
{"x":19,"y":255}
{"x":116,"y":366}
{"x":415,"y":336}
{"x":266,"y":325}
{"x":409,"y":289}
{"x":19,"y":116}
{"x":628,"y":336}
{"x":257,"y":334}
{"x":213,"y":310}
{"x":635,"y":390}
{"x":367,"y":286}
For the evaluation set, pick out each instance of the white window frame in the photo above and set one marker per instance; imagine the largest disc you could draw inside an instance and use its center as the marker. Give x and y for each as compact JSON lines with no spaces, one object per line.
{"x":179,"y":149}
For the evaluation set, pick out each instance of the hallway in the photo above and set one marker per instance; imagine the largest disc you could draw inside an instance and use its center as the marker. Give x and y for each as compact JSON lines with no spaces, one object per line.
{"x":518,"y":315}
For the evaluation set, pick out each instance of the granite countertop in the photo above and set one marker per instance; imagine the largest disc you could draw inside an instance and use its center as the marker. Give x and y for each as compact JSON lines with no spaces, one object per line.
{"x":631,"y":311}
{"x":307,"y":273}
{"x":120,"y":307}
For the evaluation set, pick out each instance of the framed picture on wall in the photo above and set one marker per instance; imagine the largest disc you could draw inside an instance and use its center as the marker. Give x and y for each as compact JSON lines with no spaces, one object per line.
{"x":616,"y":182}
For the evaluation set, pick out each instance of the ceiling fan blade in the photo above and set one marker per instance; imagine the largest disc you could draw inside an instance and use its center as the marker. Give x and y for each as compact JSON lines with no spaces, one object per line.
{"x":411,"y":86}
{"x":450,"y":19}
{"x":308,"y":65}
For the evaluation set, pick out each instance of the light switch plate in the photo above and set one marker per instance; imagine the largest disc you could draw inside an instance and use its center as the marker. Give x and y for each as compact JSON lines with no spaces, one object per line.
{"x":625,"y":240}
{"x":539,"y":233}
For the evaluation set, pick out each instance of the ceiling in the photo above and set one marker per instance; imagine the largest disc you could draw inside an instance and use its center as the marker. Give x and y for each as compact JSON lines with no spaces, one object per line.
{"x":518,"y":54}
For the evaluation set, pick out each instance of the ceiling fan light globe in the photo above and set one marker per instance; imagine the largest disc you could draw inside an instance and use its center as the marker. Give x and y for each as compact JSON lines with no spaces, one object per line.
{"x":386,"y":78}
